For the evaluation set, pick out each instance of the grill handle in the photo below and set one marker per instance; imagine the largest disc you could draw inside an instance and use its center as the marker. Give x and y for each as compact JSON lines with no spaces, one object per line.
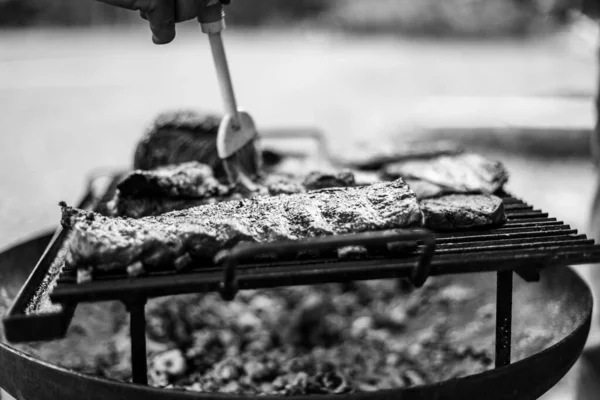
{"x":231,"y":258}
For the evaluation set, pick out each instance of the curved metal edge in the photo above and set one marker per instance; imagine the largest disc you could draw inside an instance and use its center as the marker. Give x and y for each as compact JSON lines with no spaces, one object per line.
{"x":32,"y":379}
{"x":21,"y":328}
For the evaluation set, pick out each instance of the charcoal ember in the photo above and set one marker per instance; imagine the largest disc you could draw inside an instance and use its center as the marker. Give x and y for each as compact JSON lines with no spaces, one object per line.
{"x":303,"y":383}
{"x":170,"y":362}
{"x":333,"y":382}
{"x":300,"y":364}
{"x":368,"y":387}
{"x":394,"y":318}
{"x":231,"y":388}
{"x":269,"y":309}
{"x":317,"y":339}
{"x":362,"y":325}
{"x":308,"y":323}
{"x":206,"y":350}
{"x":413,"y":377}
{"x":260,"y":341}
{"x":166,"y":322}
{"x":454,"y":295}
{"x":261,"y":371}
{"x":229,"y":369}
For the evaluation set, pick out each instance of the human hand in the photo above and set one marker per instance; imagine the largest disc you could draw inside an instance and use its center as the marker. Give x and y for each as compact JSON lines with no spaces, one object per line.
{"x":163,"y":14}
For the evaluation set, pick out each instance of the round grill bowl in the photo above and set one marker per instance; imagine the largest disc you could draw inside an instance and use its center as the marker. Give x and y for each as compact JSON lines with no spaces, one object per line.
{"x":26,"y":377}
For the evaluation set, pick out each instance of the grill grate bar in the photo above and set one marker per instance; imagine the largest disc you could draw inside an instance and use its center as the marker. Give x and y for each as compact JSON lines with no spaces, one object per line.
{"x":527,"y":215}
{"x":533,"y":224}
{"x":528,"y":220}
{"x":517,"y":206}
{"x":507,"y":235}
{"x":517,"y":229}
{"x":252,"y":277}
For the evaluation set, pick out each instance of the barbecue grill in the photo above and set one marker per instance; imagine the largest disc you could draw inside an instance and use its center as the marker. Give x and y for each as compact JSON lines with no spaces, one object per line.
{"x":528,"y":243}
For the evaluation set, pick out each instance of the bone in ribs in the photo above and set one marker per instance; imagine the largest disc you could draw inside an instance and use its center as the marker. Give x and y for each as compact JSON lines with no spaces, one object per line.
{"x":177,"y":237}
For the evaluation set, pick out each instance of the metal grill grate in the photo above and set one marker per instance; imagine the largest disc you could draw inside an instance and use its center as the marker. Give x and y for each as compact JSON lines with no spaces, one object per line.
{"x":528,"y":241}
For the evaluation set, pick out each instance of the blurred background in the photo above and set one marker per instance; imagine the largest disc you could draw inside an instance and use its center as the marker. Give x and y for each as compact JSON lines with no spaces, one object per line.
{"x":426,"y":17}
{"x":513,"y":79}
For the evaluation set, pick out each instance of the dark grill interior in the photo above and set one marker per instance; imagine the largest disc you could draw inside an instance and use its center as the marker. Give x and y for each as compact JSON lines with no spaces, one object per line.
{"x":527,"y":242}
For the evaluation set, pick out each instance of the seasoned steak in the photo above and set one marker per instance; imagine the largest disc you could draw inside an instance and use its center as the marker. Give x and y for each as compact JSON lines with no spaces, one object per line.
{"x":176,"y":237}
{"x":172,"y":187}
{"x":320,"y":180}
{"x":176,"y":187}
{"x":464,"y":173}
{"x":426,"y":190}
{"x":187,"y":180}
{"x":462,"y":211}
{"x":367,"y":158}
{"x":180,"y":136}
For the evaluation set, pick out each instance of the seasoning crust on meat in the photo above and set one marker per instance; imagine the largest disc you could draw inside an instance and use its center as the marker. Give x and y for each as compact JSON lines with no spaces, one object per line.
{"x":176,"y":187}
{"x":191,"y":180}
{"x":458,"y":211}
{"x":464,"y":173}
{"x":176,"y":237}
{"x":178,"y":137}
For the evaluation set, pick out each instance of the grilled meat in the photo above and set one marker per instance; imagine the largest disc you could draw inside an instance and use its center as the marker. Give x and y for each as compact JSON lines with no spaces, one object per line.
{"x":181,"y":136}
{"x":464,"y":173}
{"x":138,"y":207}
{"x":168,"y":188}
{"x":319,"y":180}
{"x":116,"y":243}
{"x":176,"y":187}
{"x":425,"y":190}
{"x":457,"y":211}
{"x":178,"y":137}
{"x":367,"y":158}
{"x":187,"y":180}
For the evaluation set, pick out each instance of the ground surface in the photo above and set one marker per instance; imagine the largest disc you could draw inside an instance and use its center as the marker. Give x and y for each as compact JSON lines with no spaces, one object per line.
{"x":73,"y":101}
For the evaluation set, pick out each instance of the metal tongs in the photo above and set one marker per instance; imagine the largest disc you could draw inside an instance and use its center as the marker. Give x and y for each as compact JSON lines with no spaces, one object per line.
{"x":237,"y":136}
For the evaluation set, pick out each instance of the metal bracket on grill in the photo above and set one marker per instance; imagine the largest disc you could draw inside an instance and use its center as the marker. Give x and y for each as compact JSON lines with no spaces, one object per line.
{"x":231,"y":258}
